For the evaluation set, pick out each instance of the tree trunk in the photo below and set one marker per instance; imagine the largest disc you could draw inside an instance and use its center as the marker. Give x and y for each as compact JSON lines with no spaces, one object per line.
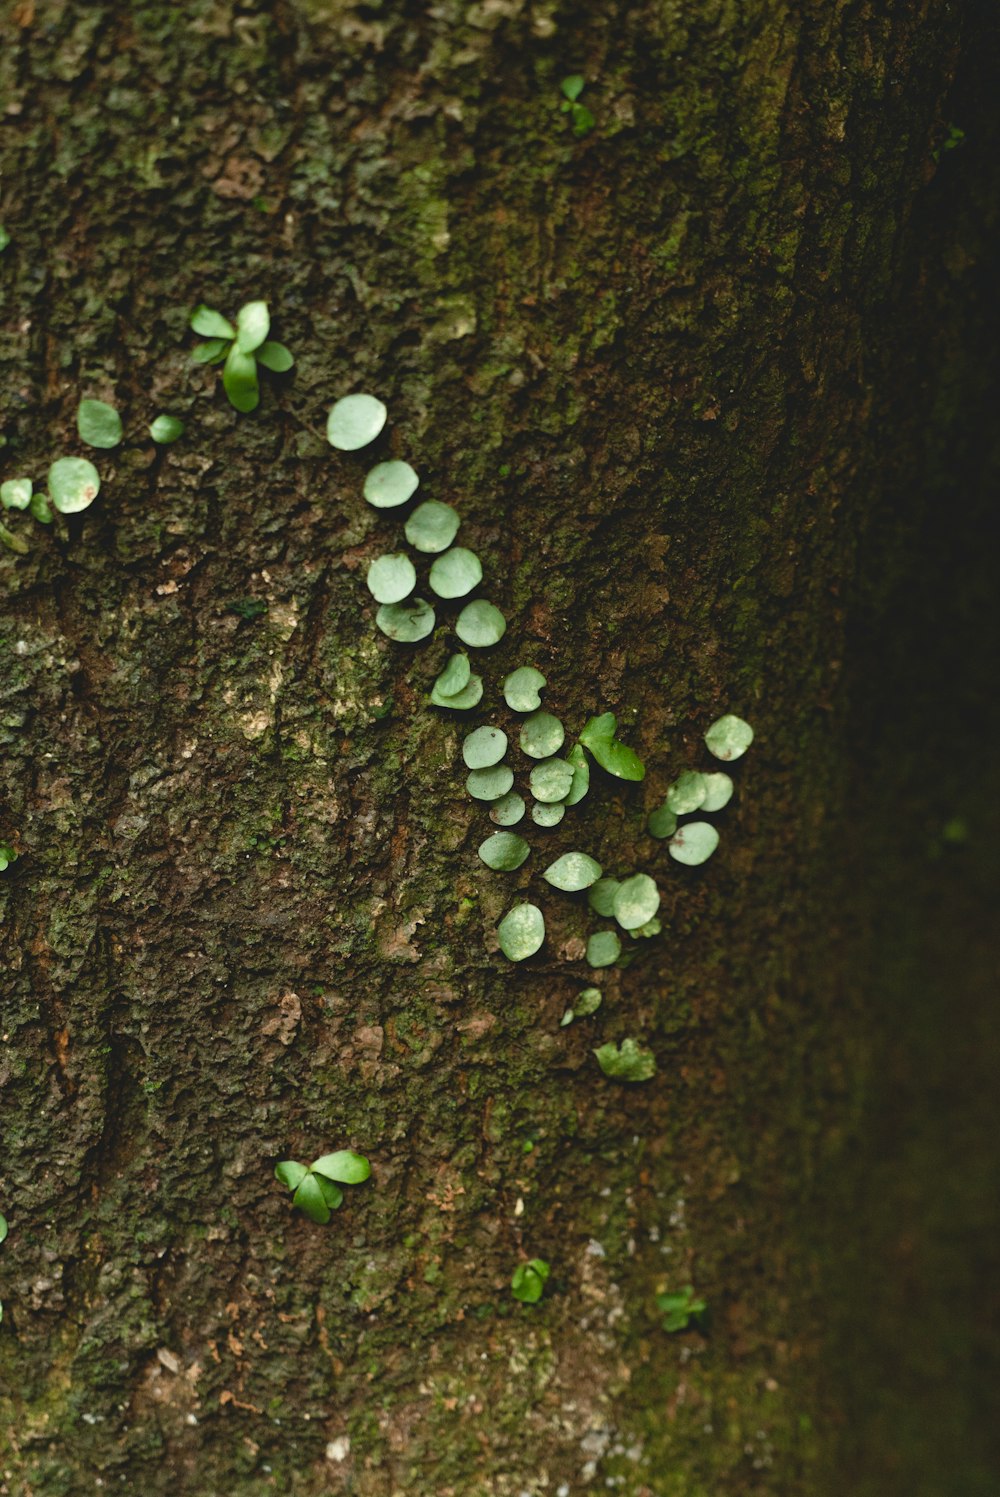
{"x":701,"y":380}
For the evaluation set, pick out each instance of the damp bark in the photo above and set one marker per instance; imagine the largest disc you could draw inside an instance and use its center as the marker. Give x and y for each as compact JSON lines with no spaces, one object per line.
{"x":695,"y":380}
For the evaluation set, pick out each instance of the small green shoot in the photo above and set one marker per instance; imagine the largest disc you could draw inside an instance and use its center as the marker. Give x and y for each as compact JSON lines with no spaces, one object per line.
{"x":587,"y":1002}
{"x":521,"y":689}
{"x":529,"y":1280}
{"x":598,"y":737}
{"x":315,"y":1187}
{"x":680,"y":1309}
{"x":581,"y":117}
{"x":626,"y":1062}
{"x":166,"y":429}
{"x":98,"y":424}
{"x":240,"y":350}
{"x":8,"y":855}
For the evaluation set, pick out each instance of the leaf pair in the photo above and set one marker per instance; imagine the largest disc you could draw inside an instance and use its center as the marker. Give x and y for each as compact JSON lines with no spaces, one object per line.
{"x":240,"y":349}
{"x":680,"y":1309}
{"x":529,"y":1280}
{"x":316,"y":1188}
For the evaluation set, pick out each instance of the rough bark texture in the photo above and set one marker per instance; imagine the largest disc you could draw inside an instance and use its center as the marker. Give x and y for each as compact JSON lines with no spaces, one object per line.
{"x":672,"y":373}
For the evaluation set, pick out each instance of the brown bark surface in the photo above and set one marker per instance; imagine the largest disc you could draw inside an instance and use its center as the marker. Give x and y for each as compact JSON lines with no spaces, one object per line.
{"x":701,"y":383}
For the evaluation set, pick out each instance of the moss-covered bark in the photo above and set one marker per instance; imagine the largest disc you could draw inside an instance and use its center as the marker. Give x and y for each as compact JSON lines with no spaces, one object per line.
{"x":657,"y":368}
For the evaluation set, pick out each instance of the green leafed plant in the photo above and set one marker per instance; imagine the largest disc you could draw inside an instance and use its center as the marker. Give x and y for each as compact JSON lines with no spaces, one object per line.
{"x":480,"y":624}
{"x":8,"y":855}
{"x":551,"y":780}
{"x":687,"y":793}
{"x":729,"y":737}
{"x":693,"y":843}
{"x":504,"y":851}
{"x":529,"y":1280}
{"x":542,"y":735}
{"x":627,"y":1061}
{"x":432,"y":527}
{"x":680,"y":1309}
{"x":483,"y":747}
{"x":521,"y":932}
{"x":390,"y":484}
{"x":98,"y":424}
{"x":521,"y":689}
{"x":598,"y":737}
{"x":407,"y":623}
{"x":572,"y":872}
{"x":239,"y":350}
{"x":166,"y":429}
{"x":603,"y":948}
{"x":636,"y":901}
{"x":74,"y":484}
{"x":316,"y":1187}
{"x":456,"y":687}
{"x":581,"y":117}
{"x":354,"y":421}
{"x":588,"y":1001}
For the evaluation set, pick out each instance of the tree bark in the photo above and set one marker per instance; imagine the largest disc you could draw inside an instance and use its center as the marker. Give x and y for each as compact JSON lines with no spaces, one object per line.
{"x":698,"y":380}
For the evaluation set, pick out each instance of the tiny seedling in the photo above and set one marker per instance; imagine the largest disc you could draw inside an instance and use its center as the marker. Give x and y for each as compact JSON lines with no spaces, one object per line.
{"x":98,"y":424}
{"x":391,"y":578}
{"x":551,"y":780}
{"x":316,"y":1187}
{"x":680,"y":1309}
{"x":8,"y":855}
{"x":603,"y":948}
{"x":627,"y":1061}
{"x":587,"y":1002}
{"x":581,"y":117}
{"x":240,"y":350}
{"x":636,"y":901}
{"x":529,"y":1280}
{"x":74,"y":484}
{"x":456,"y":687}
{"x":598,"y":737}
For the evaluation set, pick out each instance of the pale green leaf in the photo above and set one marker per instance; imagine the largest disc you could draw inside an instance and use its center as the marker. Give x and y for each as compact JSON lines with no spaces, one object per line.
{"x":455,"y":676}
{"x":391,"y":578}
{"x":407,"y":623}
{"x":628,"y":1061}
{"x":572,"y":872}
{"x":693,"y":843}
{"x":508,"y":810}
{"x":480,"y":625}
{"x":547,"y":814}
{"x":581,"y":775}
{"x":390,"y":484}
{"x":719,"y":791}
{"x":74,"y":484}
{"x":290,"y":1173}
{"x":587,"y":1002}
{"x":603,"y":948}
{"x":253,"y":323}
{"x":310,"y":1198}
{"x":504,"y":851}
{"x":491,"y":783}
{"x":276,"y":357}
{"x":456,"y":573}
{"x":542,"y":735}
{"x":551,"y":780}
{"x":729,"y":737}
{"x":166,"y":429}
{"x":98,"y":423}
{"x":662,"y":822}
{"x":637,"y":900}
{"x":355,"y":421}
{"x":344,"y":1165}
{"x":239,"y":380}
{"x":521,"y":689}
{"x":16,"y":493}
{"x":521,"y":932}
{"x":432,"y":527}
{"x":460,"y":701}
{"x":601,"y":897}
{"x":209,"y":324}
{"x":484,"y":747}
{"x":687,"y":793}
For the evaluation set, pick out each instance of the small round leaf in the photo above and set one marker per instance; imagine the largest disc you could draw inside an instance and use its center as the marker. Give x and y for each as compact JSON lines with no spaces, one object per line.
{"x":16,"y":493}
{"x":344,"y":1165}
{"x":483,"y":747}
{"x":687,"y":793}
{"x":547,"y":814}
{"x":390,"y":484}
{"x":521,"y":689}
{"x":603,"y":948}
{"x":521,"y":932}
{"x":407,"y":623}
{"x":694,"y":843}
{"x":456,"y":573}
{"x":455,"y":676}
{"x":460,"y":701}
{"x":166,"y":429}
{"x":542,"y":735}
{"x":98,"y":423}
{"x":637,"y":900}
{"x":719,"y":791}
{"x":480,"y":625}
{"x":572,"y":872}
{"x":662,"y":822}
{"x":601,"y":896}
{"x":74,"y":484}
{"x":508,"y":810}
{"x":587,"y":1002}
{"x":355,"y":421}
{"x":729,"y":737}
{"x":391,"y":578}
{"x":491,"y":783}
{"x":504,"y":851}
{"x":432,"y":527}
{"x":551,"y":780}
